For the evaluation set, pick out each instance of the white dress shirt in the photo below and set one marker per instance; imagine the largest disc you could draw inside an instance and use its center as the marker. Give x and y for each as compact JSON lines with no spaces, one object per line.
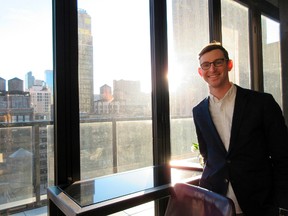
{"x":222,"y":114}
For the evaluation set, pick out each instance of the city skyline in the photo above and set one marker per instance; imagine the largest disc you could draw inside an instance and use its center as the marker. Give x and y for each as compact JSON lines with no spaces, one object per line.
{"x":121,"y":39}
{"x":31,"y":36}
{"x":32,"y":42}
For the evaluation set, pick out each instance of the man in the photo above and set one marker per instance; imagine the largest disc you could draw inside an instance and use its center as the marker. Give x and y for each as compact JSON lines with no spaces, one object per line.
{"x":243,"y":139}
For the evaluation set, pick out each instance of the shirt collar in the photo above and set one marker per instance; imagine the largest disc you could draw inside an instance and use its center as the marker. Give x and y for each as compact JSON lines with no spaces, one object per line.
{"x":230,"y":94}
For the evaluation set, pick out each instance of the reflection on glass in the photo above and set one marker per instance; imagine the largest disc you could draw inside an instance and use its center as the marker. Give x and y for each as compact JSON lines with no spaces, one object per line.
{"x":271,"y":58}
{"x":136,"y":148}
{"x":114,"y":86}
{"x":235,"y":36}
{"x":26,"y":104}
{"x":188,"y":32}
{"x":109,"y":187}
{"x":17,"y":174}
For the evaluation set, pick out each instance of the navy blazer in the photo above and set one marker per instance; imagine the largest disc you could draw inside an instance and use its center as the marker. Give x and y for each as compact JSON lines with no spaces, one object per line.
{"x":256,"y":162}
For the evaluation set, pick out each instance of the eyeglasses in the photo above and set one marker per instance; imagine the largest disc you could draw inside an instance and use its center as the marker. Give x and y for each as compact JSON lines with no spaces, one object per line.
{"x":216,"y":63}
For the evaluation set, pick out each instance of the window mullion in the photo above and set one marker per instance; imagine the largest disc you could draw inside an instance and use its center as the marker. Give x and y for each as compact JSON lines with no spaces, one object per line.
{"x":215,"y":20}
{"x":65,"y":41}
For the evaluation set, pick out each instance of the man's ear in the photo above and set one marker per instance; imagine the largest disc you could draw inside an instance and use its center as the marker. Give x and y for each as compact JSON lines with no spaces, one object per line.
{"x":200,"y":71}
{"x":230,"y":64}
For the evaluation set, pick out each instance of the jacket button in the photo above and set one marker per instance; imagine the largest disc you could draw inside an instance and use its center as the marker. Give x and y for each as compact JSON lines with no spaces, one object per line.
{"x":228,"y":161}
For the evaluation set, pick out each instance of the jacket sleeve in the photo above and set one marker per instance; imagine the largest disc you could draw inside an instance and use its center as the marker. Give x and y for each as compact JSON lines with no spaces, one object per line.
{"x":277,"y":140}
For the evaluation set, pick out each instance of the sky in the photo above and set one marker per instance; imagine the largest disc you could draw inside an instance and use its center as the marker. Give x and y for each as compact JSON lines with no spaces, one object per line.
{"x":272,"y":33}
{"x":121,"y":45}
{"x":26,"y":39}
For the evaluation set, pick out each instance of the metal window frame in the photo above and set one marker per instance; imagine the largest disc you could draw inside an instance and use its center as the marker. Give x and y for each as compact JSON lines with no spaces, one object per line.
{"x":65,"y":64}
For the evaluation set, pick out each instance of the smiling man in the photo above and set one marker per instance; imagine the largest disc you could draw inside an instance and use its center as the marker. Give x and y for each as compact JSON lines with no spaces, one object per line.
{"x":243,"y":139}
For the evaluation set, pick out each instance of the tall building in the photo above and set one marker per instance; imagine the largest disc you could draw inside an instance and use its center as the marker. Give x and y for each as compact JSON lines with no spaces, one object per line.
{"x":41,"y":101}
{"x":126,"y":90}
{"x":2,"y":84}
{"x":49,"y":79}
{"x":29,"y":80}
{"x":15,"y":103}
{"x":85,"y":41}
{"x":132,"y":101}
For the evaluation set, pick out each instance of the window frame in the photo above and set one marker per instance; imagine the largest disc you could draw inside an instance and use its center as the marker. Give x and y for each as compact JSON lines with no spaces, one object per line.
{"x":65,"y":66}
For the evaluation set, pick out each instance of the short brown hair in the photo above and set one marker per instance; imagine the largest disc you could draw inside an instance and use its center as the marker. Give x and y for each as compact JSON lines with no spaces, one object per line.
{"x":212,"y":46}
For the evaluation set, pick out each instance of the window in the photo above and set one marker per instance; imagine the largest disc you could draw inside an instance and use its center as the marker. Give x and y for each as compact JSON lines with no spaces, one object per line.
{"x":114,"y":86}
{"x":235,"y":36}
{"x":26,"y":52}
{"x":271,"y":58}
{"x":188,"y":33}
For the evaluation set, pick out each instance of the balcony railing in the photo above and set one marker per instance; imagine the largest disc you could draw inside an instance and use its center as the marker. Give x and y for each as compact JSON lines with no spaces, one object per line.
{"x":107,"y":146}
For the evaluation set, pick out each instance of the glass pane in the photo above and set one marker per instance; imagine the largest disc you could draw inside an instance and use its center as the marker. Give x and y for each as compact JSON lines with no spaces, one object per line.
{"x":235,"y":38}
{"x":271,"y":58}
{"x":26,"y":104}
{"x":188,"y":32}
{"x":114,"y":86}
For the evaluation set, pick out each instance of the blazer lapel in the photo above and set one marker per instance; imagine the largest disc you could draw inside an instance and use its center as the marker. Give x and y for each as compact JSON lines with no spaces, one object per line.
{"x":211,"y":129}
{"x":238,"y":113}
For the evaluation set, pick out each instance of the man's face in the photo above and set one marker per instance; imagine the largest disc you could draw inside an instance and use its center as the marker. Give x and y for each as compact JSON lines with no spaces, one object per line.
{"x":215,"y":76}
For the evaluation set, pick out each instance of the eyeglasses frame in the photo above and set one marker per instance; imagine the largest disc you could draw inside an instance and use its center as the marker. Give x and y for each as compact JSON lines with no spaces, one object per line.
{"x":214,"y":63}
